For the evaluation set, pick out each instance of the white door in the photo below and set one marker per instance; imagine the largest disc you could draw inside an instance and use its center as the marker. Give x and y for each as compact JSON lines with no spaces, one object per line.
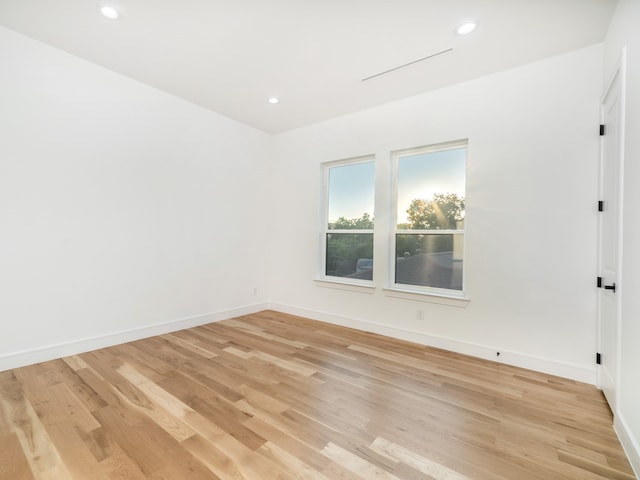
{"x":612,"y":106}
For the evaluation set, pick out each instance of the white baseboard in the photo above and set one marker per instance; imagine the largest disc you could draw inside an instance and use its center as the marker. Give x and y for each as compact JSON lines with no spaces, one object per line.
{"x":552,"y":367}
{"x":51,"y":352}
{"x":629,"y":443}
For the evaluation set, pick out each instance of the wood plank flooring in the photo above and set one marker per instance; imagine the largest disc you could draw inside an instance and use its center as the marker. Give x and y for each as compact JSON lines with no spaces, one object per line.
{"x":272,"y":396}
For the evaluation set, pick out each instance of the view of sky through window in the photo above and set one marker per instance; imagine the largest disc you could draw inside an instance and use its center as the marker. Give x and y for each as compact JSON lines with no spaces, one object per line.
{"x":351,"y":187}
{"x":421,"y":176}
{"x":351,"y":191}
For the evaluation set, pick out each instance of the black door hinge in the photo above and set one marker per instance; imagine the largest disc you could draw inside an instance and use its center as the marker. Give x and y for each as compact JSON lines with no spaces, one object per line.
{"x":598,"y":359}
{"x":601,"y":205}
{"x":601,"y":130}
{"x":599,"y":282}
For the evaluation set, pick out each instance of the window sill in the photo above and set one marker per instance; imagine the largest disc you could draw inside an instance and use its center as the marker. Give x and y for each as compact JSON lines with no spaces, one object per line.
{"x":441,"y":299}
{"x":345,"y":285}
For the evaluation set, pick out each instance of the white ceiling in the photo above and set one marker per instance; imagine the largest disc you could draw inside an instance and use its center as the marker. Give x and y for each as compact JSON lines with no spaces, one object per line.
{"x":231,"y":55}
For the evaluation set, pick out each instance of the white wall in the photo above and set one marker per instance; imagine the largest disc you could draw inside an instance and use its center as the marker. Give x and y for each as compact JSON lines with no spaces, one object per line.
{"x":531,"y":219}
{"x":127,"y":209}
{"x":121,"y":207}
{"x":624,"y":32}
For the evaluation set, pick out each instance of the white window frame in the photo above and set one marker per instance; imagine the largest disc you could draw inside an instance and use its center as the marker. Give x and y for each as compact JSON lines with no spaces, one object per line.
{"x":414,"y":292}
{"x":322,"y":279}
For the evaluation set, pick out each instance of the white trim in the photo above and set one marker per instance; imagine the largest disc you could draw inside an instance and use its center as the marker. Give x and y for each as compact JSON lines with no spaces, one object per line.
{"x":430,"y":297}
{"x":354,"y":231}
{"x":60,"y":350}
{"x":351,"y":286}
{"x":629,"y":443}
{"x":435,"y":147}
{"x":349,"y":161}
{"x":552,"y":367}
{"x":620,"y":266}
{"x":407,"y":231}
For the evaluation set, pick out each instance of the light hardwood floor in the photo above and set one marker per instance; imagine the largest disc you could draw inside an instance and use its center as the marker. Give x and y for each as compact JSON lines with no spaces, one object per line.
{"x":272,"y":396}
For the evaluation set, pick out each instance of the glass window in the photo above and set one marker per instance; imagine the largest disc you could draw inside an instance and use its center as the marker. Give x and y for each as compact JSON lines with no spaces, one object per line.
{"x":348,"y":233}
{"x":430,"y":212}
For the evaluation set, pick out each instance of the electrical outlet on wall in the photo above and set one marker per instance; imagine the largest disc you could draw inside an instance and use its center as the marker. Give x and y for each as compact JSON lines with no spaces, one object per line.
{"x":419,"y":314}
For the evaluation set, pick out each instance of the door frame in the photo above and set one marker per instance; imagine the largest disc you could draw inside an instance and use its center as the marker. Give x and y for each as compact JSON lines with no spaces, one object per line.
{"x":619,"y":71}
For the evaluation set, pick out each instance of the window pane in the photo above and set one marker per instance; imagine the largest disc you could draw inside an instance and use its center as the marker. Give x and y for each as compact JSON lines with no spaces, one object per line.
{"x":351,"y":196}
{"x":431,"y":190}
{"x":429,"y":260}
{"x":350,"y":255}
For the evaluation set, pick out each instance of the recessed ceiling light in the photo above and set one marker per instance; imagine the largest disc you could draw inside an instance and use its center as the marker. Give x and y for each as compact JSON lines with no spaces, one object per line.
{"x":273,"y":100}
{"x":109,"y":12}
{"x":466,"y":28}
